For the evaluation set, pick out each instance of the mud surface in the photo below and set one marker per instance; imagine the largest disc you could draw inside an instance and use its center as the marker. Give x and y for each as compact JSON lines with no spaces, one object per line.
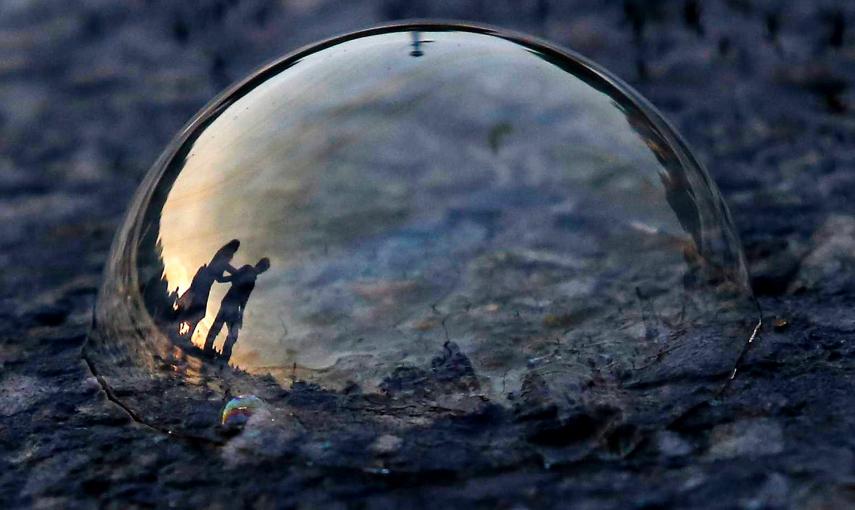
{"x":90,"y":93}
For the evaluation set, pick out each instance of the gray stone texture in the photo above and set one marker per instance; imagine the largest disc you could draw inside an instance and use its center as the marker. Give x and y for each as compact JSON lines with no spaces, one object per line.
{"x":91,"y":92}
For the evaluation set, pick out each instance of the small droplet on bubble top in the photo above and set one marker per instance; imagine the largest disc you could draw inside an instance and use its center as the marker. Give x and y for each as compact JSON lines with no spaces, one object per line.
{"x":426,"y":213}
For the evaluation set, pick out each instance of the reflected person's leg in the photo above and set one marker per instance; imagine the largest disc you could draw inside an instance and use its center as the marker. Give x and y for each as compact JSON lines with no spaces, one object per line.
{"x":214,"y":331}
{"x":231,"y":339}
{"x":192,"y":323}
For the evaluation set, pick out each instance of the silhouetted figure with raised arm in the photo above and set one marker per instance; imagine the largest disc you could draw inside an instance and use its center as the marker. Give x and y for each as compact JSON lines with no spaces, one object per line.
{"x":191,"y":306}
{"x":233,"y":307}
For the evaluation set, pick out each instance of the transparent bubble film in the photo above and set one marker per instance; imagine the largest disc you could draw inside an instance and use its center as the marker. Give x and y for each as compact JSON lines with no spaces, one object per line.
{"x":416,"y":220}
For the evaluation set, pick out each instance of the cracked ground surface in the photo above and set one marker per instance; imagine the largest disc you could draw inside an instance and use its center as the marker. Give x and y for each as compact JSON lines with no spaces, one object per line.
{"x":92,"y":92}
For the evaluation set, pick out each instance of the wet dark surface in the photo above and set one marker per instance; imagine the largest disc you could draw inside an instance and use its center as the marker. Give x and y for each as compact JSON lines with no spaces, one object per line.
{"x":92,"y":93}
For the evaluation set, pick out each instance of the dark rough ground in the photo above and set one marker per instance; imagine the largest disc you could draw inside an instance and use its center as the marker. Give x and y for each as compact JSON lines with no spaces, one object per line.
{"x":90,"y":92}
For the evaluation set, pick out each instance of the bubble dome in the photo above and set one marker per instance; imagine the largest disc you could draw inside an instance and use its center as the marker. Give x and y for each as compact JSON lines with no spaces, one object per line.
{"x":431,"y":215}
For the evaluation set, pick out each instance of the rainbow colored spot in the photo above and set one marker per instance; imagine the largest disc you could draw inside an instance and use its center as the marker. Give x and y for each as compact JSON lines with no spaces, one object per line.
{"x":239,"y":409}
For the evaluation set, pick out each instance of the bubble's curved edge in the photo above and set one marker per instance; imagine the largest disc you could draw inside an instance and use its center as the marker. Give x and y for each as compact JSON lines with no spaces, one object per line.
{"x":594,"y":75}
{"x":193,"y":440}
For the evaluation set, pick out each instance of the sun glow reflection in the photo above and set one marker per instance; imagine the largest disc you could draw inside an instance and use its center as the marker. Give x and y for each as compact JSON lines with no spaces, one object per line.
{"x":202,"y":329}
{"x":176,"y":274}
{"x":179,"y":278}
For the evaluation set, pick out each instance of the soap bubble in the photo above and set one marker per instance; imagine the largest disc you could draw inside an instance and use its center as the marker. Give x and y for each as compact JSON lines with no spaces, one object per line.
{"x":430,"y":215}
{"x":239,"y":409}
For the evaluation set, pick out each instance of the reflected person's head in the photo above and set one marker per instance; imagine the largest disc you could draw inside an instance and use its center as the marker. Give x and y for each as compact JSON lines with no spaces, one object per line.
{"x":227,"y":252}
{"x":230,"y":248}
{"x":262,"y":265}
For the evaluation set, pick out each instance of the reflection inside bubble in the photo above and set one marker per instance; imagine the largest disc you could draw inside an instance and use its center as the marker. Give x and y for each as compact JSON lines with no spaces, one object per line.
{"x":190,"y":307}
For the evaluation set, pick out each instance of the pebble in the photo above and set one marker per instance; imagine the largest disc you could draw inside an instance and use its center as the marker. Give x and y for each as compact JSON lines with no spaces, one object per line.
{"x":830,"y":266}
{"x":749,"y":437}
{"x":386,"y":444}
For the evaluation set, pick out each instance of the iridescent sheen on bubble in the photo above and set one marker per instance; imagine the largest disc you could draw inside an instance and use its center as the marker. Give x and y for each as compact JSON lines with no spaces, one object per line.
{"x":239,"y":409}
{"x":426,"y":213}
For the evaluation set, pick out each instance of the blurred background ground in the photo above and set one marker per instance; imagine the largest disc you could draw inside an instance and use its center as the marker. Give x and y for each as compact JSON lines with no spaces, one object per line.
{"x":91,"y":92}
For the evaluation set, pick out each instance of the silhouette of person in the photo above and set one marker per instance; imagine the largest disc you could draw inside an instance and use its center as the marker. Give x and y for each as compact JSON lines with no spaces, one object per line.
{"x":192,"y":305}
{"x":233,"y":307}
